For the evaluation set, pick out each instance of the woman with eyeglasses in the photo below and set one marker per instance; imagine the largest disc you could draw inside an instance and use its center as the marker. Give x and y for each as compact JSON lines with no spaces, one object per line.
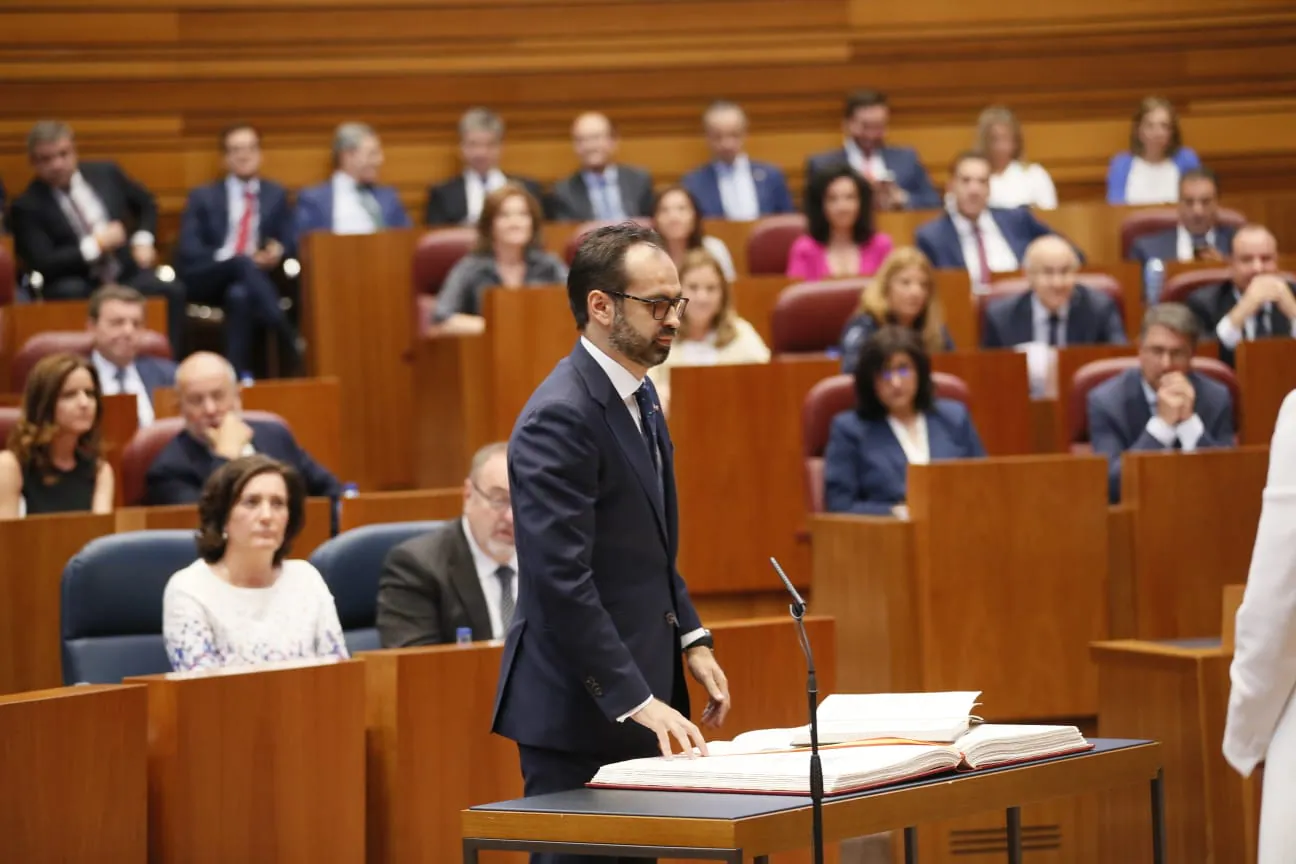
{"x":897,"y":422}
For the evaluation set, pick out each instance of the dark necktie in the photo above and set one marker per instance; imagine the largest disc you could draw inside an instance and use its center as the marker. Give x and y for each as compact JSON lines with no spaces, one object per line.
{"x":505,"y":574}
{"x":646,"y":401}
{"x":1054,"y":329}
{"x":369,"y":201}
{"x":1264,"y":327}
{"x":120,"y":377}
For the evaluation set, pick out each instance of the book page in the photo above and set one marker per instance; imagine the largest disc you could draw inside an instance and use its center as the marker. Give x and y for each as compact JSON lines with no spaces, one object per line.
{"x":889,"y":707}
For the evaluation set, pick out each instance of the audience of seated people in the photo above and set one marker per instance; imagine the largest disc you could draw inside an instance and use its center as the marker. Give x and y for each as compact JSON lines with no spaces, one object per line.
{"x":506,"y":254}
{"x":1161,"y":404}
{"x":243,"y":602}
{"x":215,"y":433}
{"x":711,"y":333}
{"x":896,"y":174}
{"x":902,"y":293}
{"x":897,"y":422}
{"x":1148,"y":173}
{"x":53,"y":462}
{"x":1254,"y":303}
{"x":351,"y":201}
{"x":462,"y":575}
{"x":841,"y":240}
{"x":70,"y":226}
{"x":117,"y":322}
{"x":601,"y":189}
{"x":1199,"y":236}
{"x":677,"y":220}
{"x":971,"y":235}
{"x":1013,"y":181}
{"x":459,"y":200}
{"x":234,"y":233}
{"x":732,"y":186}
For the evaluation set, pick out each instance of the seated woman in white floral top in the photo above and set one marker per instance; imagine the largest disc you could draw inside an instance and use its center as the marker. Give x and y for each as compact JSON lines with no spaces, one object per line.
{"x":241,"y":603}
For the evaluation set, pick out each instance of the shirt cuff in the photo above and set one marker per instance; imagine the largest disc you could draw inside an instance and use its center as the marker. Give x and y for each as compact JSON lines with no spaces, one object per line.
{"x":1161,"y":431}
{"x":90,"y":249}
{"x":692,"y":636}
{"x":142,"y":238}
{"x":224,"y":254}
{"x":1228,"y":335}
{"x":1190,"y":432}
{"x":626,"y":716}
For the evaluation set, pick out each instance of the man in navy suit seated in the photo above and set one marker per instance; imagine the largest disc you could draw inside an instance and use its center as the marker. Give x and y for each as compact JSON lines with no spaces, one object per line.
{"x":117,"y":322}
{"x":731,"y":186}
{"x":351,"y":201}
{"x":973,"y":236}
{"x":233,"y":234}
{"x":593,"y":666}
{"x":1198,"y":236}
{"x":898,"y":178}
{"x":1161,"y":404}
{"x":215,"y":432}
{"x":458,"y":201}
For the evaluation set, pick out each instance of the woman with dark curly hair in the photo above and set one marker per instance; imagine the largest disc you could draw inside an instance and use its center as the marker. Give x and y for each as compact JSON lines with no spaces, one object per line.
{"x":241,"y":603}
{"x":841,"y":241}
{"x":52,"y":464}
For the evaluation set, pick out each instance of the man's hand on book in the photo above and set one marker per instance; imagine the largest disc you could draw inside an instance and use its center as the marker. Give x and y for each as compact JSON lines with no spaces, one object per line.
{"x":702,"y":664}
{"x":665,"y":721}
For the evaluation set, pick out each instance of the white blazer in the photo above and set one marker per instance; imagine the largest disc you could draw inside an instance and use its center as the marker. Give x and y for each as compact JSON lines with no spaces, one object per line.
{"x":1261,"y":714}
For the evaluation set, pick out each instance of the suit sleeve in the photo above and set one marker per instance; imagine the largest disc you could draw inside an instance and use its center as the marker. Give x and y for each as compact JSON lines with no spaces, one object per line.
{"x":319,"y":480}
{"x":1114,"y":325}
{"x":37,"y":249}
{"x":310,"y":217}
{"x":554,"y":468}
{"x":1199,"y":303}
{"x":166,"y":486}
{"x":923,"y":196}
{"x":281,"y":227}
{"x":928,"y":249}
{"x":140,"y":200}
{"x":190,"y":249}
{"x":782,"y":195}
{"x":409,"y":598}
{"x":434,"y":214}
{"x":990,"y":337}
{"x":1117,"y":174}
{"x":402,"y":219}
{"x":975,"y":449}
{"x":645,"y":203}
{"x":1106,"y":439}
{"x":843,"y":491}
{"x":1220,"y":432}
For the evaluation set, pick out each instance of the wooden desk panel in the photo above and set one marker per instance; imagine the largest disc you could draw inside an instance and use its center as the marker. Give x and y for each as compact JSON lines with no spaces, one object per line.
{"x":1195,"y":518}
{"x":954,"y":289}
{"x":264,"y":764}
{"x":453,"y":409}
{"x":184,"y":517}
{"x":75,"y":775}
{"x":375,"y":508}
{"x":34,"y":551}
{"x":1266,"y":371}
{"x":1000,"y":391}
{"x":120,"y":422}
{"x":527,"y":333}
{"x":754,"y":298}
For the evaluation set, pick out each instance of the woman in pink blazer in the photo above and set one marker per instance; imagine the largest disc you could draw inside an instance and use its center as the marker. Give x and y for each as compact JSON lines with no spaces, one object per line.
{"x":841,"y":242}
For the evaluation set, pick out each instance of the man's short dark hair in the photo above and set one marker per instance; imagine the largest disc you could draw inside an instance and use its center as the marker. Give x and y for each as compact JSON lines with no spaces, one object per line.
{"x":863,"y":99}
{"x":877,"y":351}
{"x":1175,"y":317}
{"x":599,"y":264}
{"x":124,"y":293}
{"x":817,"y":190}
{"x":237,"y":127}
{"x":966,"y":156}
{"x":221,"y":493}
{"x":1199,"y":173}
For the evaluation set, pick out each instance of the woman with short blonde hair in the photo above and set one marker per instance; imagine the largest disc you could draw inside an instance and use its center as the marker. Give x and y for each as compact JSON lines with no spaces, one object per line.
{"x":904,"y":293}
{"x":1013,"y":181}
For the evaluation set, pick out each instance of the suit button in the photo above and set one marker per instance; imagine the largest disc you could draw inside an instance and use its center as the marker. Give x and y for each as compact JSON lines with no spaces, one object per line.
{"x":671,"y":619}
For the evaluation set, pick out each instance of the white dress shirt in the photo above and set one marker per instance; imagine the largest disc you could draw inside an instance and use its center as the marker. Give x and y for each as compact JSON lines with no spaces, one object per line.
{"x":475,"y":191}
{"x":131,"y":382}
{"x":626,"y":384}
{"x":349,"y":215}
{"x":1184,"y":243}
{"x":1152,"y":182}
{"x":1021,"y":185}
{"x":605,"y":193}
{"x":916,"y":448}
{"x":84,"y":210}
{"x":738,"y":189}
{"x":1229,"y":335}
{"x":1189,"y":432}
{"x":236,"y":200}
{"x":490,"y":583}
{"x":871,"y":166}
{"x":999,"y":254}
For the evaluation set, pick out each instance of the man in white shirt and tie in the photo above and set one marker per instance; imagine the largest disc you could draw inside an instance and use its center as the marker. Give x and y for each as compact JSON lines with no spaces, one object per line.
{"x":1199,"y":236}
{"x":732,"y":186}
{"x":601,"y":189}
{"x":351,"y":201}
{"x":117,"y":324}
{"x":458,"y":201}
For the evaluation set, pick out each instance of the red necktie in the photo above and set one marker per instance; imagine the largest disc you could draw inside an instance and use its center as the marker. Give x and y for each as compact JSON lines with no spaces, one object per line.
{"x":244,"y":233}
{"x":982,"y":258}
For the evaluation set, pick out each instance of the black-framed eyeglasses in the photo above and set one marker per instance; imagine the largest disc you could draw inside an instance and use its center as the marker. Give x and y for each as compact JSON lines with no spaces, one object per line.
{"x":661,"y":307}
{"x":498,"y":501}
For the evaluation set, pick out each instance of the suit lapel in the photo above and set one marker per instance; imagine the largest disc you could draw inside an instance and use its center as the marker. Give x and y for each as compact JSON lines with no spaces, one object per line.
{"x":107,"y":196}
{"x":55,"y":208}
{"x":939,"y":443}
{"x":1136,"y":404}
{"x":460,"y":190}
{"x":1079,"y":329}
{"x":625,"y":184}
{"x":1011,"y":237}
{"x":463,"y":577}
{"x":951,"y":239}
{"x":893,"y":451}
{"x":1022,"y":326}
{"x":583,"y":197}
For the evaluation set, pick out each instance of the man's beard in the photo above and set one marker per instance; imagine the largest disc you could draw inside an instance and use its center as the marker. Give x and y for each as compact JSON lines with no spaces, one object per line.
{"x":642,"y":350}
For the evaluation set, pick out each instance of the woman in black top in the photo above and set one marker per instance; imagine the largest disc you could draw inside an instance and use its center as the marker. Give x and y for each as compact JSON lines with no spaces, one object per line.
{"x":53,"y":464}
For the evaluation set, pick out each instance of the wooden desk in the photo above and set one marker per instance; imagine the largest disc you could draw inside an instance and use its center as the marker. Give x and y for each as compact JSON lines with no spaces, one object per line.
{"x":1000,"y":388}
{"x":310,"y":406}
{"x":357,"y":318}
{"x":1195,"y":518}
{"x":21,"y":321}
{"x":1178,"y":694}
{"x":1266,"y":371}
{"x":74,"y":775}
{"x":413,"y":812}
{"x":754,"y":298}
{"x":34,"y":551}
{"x":958,"y":303}
{"x":420,"y":505}
{"x":120,"y":422}
{"x":263,"y":764}
{"x":184,"y":517}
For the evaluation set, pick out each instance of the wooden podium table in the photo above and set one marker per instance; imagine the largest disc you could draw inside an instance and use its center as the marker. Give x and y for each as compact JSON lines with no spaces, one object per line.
{"x":736,"y":828}
{"x":1266,"y":370}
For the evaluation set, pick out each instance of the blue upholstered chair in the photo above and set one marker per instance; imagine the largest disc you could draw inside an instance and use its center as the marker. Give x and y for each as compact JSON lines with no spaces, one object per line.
{"x":112,"y":604}
{"x":350,"y":564}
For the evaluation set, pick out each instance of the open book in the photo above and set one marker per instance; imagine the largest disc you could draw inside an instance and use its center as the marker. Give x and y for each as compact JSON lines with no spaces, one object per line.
{"x":735,"y":767}
{"x":939,"y":717}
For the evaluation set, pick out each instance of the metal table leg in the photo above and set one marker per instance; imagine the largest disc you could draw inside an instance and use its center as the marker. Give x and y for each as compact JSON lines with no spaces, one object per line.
{"x":911,"y":845}
{"x":1014,"y":836}
{"x":1158,"y":818}
{"x":469,"y":851}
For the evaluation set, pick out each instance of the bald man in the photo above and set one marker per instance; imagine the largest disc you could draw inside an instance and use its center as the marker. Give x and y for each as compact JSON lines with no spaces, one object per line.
{"x":215,"y":432}
{"x":1255,"y":303}
{"x":601,"y":189}
{"x":1055,"y":311}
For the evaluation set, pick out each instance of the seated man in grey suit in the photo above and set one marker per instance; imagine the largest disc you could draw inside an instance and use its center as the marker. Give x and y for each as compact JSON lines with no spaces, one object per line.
{"x":1161,"y":404}
{"x":601,"y":189}
{"x":461,"y":575}
{"x":1198,"y":236}
{"x":117,"y":324}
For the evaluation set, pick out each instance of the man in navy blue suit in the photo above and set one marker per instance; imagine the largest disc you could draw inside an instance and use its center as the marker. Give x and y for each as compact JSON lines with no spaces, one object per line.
{"x":593,"y":666}
{"x":234,"y":233}
{"x":351,"y":201}
{"x":216,"y":432}
{"x":731,"y":186}
{"x":897,"y":175}
{"x":1161,"y":404}
{"x":971,"y":235}
{"x":1199,"y":236}
{"x":117,"y":324}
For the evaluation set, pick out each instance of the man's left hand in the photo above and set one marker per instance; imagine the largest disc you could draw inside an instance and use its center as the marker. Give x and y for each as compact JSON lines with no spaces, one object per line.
{"x":707,"y":672}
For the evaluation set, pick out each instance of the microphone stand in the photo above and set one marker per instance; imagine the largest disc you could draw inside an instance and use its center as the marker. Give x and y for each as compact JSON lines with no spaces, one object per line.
{"x":798,"y":609}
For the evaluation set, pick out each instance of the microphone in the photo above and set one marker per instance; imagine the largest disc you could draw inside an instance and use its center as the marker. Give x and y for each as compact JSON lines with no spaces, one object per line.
{"x":798,"y":609}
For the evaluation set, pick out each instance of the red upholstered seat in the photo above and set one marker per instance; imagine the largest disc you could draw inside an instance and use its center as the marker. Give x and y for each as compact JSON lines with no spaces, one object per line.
{"x":569,"y":253}
{"x":1090,"y":375}
{"x":769,"y":242}
{"x":1002,"y":288}
{"x":1160,"y":219}
{"x":72,"y":342}
{"x":434,"y":256}
{"x":830,"y":397}
{"x":8,"y":419}
{"x":1178,"y":289}
{"x":808,"y":317}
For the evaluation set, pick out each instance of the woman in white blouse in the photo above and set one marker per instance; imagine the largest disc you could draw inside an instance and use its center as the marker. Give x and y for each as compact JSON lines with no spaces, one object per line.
{"x":1013,"y":181}
{"x":678,"y":219}
{"x":241,"y":603}
{"x":1149,"y":172}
